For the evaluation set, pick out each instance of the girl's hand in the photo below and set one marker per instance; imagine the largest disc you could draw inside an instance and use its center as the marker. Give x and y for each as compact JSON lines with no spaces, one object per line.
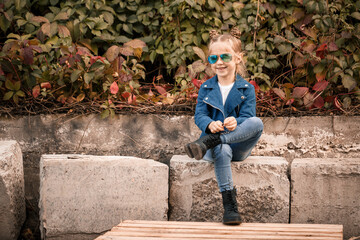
{"x":230,"y":123}
{"x":216,"y":126}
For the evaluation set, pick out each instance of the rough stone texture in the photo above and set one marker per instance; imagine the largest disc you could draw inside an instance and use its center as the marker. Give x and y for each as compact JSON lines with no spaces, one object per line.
{"x":12,"y":201}
{"x":262,"y":184}
{"x":159,"y":137}
{"x":327,"y":191}
{"x":319,"y":137}
{"x":82,"y":195}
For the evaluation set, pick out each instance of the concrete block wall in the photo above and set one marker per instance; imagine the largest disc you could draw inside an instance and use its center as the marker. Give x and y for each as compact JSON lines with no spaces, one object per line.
{"x":82,"y":196}
{"x":12,"y":200}
{"x":326,"y":190}
{"x":262,"y":184}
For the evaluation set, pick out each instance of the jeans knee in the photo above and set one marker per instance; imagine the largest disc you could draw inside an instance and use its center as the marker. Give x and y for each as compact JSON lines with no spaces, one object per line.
{"x":223,"y":153}
{"x":257,"y":123}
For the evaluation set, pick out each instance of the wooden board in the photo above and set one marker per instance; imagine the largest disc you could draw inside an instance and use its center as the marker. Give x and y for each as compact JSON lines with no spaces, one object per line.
{"x":170,"y":230}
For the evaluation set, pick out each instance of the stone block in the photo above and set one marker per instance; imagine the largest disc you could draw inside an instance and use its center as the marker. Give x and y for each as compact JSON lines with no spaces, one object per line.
{"x":326,"y":191}
{"x":81,"y":196}
{"x":12,"y":200}
{"x":262,"y":185}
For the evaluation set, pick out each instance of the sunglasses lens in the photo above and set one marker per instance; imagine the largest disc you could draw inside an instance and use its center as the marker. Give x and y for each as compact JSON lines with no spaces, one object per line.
{"x":226,"y":57}
{"x":212,"y":59}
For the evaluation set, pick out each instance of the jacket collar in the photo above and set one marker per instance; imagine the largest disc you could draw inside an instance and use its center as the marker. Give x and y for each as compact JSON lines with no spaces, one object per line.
{"x":213,"y":82}
{"x":214,"y":97}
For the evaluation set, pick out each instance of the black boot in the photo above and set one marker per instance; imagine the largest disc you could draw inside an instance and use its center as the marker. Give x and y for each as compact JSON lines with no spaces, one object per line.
{"x":198,"y":148}
{"x":231,"y":213}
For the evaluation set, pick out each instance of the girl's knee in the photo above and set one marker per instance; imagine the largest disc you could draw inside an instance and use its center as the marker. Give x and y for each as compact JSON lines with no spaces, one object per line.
{"x":223,"y":152}
{"x":257,"y":123}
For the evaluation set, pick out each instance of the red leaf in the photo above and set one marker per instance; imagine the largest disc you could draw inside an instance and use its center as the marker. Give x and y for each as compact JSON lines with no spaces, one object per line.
{"x":196,"y":82}
{"x":279,"y":92}
{"x":320,"y":86}
{"x":132,"y":99}
{"x":319,"y":102}
{"x":320,"y":76}
{"x":299,"y":92}
{"x":126,"y":95}
{"x":82,"y":51}
{"x":333,"y":47}
{"x":46,"y":85}
{"x":63,"y":31}
{"x":28,"y":55}
{"x":161,"y":90}
{"x":329,"y":99}
{"x":135,"y":43}
{"x":36,"y":91}
{"x":114,"y":88}
{"x":322,"y":50}
{"x":257,"y":88}
{"x":290,"y":101}
{"x":95,"y":58}
{"x":337,"y":103}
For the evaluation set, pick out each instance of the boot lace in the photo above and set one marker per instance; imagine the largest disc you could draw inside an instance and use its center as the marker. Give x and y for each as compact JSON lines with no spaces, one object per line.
{"x":212,"y":140}
{"x":232,"y":206}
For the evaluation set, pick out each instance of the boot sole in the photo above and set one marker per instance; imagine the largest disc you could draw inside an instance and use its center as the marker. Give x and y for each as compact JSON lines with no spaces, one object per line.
{"x":188,"y":151}
{"x":235,"y":221}
{"x":193,"y":150}
{"x":196,"y":151}
{"x":232,"y":223}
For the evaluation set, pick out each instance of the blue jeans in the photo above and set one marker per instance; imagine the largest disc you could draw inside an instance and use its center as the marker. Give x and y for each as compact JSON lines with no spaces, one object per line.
{"x":236,"y":146}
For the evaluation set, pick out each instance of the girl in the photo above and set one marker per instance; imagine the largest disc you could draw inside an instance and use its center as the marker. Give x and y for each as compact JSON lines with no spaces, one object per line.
{"x":225,"y":113}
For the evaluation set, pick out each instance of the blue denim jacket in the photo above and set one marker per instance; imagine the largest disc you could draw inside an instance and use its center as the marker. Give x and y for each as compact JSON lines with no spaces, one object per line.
{"x":240,"y":103}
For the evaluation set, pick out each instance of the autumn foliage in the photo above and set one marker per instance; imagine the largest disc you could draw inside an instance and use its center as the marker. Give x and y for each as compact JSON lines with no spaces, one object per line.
{"x":302,"y":55}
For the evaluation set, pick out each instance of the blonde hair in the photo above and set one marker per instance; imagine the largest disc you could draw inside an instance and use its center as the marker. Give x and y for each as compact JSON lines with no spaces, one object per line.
{"x":235,"y":44}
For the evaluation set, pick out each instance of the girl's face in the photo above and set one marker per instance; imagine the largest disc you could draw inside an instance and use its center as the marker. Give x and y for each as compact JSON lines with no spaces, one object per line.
{"x":224,"y":70}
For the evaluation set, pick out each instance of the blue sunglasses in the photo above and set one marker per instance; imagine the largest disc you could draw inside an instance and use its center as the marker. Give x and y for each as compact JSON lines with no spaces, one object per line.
{"x":225,"y":57}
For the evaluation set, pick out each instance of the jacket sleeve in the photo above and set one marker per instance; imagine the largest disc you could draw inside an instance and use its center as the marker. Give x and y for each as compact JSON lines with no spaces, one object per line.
{"x":202,"y":114}
{"x":248,"y":107}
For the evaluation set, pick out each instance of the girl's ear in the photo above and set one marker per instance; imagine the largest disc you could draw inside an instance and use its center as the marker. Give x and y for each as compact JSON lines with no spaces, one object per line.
{"x":237,"y":59}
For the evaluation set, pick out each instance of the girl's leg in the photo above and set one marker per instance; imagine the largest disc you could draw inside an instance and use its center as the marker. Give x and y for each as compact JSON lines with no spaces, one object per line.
{"x":222,"y":155}
{"x":243,"y":139}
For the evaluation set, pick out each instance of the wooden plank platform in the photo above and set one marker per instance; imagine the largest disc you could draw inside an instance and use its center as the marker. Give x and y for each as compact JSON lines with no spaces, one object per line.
{"x":171,"y":230}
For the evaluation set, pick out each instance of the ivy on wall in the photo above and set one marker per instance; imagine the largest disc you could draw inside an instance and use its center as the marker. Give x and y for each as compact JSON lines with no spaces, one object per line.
{"x":301,"y":54}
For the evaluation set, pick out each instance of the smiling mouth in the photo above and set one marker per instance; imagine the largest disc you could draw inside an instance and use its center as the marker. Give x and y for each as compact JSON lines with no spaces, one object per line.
{"x":221,"y":68}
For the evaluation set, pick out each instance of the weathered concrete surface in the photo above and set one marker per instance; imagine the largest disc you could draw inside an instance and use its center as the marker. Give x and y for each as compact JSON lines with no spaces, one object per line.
{"x":159,"y":137}
{"x":320,"y":137}
{"x":262,"y":185}
{"x":12,"y":200}
{"x":82,"y":195}
{"x":327,"y":191}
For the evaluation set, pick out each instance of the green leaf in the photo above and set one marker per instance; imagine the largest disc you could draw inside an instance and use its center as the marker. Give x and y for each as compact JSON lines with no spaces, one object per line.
{"x":356,"y":15}
{"x":8,"y":95}
{"x":9,"y":85}
{"x":319,"y":68}
{"x":88,"y":77}
{"x":152,"y":56}
{"x":348,"y":82}
{"x":105,"y":113}
{"x":61,"y":16}
{"x":75,"y":75}
{"x":20,"y":93}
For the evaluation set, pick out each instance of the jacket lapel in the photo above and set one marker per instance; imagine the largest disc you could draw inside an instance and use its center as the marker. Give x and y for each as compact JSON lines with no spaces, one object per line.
{"x":214,"y":97}
{"x":236,"y":95}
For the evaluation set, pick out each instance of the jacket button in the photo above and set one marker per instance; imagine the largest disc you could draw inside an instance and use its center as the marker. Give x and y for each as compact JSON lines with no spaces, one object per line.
{"x":205,"y":85}
{"x":246,"y":85}
{"x":206,"y":98}
{"x":242,"y":97}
